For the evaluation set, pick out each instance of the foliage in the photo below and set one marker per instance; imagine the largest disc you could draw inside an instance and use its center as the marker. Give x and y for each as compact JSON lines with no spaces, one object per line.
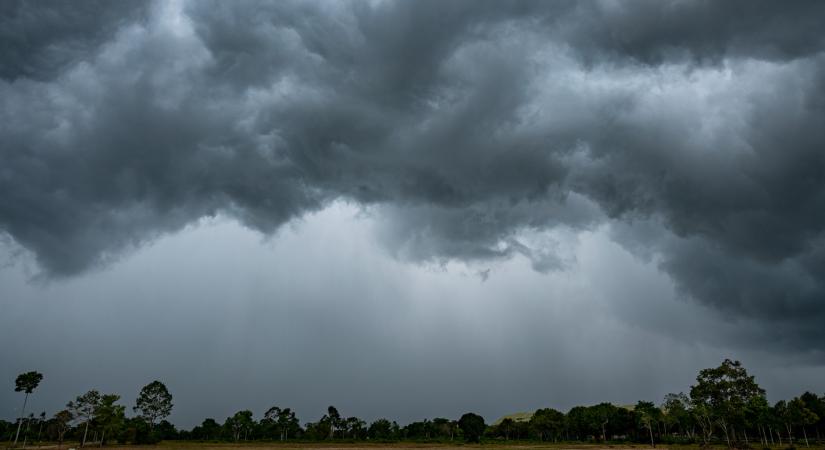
{"x":547,"y":423}
{"x":724,"y":393}
{"x":725,"y":406}
{"x":472,"y":425}
{"x":109,"y":416}
{"x":153,"y":403}
{"x":27,"y":382}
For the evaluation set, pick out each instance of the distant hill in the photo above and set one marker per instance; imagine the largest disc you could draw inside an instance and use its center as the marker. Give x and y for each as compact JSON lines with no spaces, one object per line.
{"x":525,"y":416}
{"x":517,"y":417}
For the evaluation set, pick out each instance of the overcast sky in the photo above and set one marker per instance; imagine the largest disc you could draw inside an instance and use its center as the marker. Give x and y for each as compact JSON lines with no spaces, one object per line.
{"x":409,"y":209}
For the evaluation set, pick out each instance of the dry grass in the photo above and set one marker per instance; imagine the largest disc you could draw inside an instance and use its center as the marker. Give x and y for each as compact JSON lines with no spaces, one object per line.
{"x":393,"y":445}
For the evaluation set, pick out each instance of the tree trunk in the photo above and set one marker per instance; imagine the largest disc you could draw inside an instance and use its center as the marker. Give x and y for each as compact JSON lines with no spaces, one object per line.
{"x":727,"y":437}
{"x":804,"y":433}
{"x":102,"y":436}
{"x":83,"y":443}
{"x":22,"y":416}
{"x":652,"y":444}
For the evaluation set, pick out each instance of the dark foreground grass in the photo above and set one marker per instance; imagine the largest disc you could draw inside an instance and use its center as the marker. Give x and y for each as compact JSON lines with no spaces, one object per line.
{"x":343,"y":445}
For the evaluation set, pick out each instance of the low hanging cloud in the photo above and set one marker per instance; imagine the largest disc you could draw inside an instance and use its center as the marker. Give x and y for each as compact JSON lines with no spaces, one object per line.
{"x":694,"y":128}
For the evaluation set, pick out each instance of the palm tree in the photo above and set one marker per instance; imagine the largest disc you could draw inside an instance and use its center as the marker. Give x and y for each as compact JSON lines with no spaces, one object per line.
{"x":26,"y":382}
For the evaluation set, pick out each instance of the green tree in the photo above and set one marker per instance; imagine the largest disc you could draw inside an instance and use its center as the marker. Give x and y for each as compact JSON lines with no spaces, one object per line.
{"x":333,"y":420}
{"x":578,"y":422}
{"x":240,"y":424}
{"x":676,"y":412}
{"x":647,"y":414}
{"x":473,"y":426}
{"x":354,"y":427}
{"x":816,"y":404}
{"x":270,"y":421}
{"x":288,"y":423}
{"x":210,"y":429}
{"x":758,"y":414}
{"x":382,"y":429}
{"x":109,"y":416}
{"x":25,"y":382}
{"x":281,"y":421}
{"x":83,"y":409}
{"x":165,"y":430}
{"x":444,"y":427}
{"x":600,"y":416}
{"x":725,"y":392}
{"x":153,"y":403}
{"x":800,"y":415}
{"x":505,"y":427}
{"x":62,"y":420}
{"x":547,"y":423}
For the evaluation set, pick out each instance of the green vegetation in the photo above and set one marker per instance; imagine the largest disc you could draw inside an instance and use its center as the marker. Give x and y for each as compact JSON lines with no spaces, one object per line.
{"x":27,"y":383}
{"x":725,"y":408}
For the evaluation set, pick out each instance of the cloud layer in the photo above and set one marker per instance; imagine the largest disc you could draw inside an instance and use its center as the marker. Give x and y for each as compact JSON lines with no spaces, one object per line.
{"x":694,"y":127}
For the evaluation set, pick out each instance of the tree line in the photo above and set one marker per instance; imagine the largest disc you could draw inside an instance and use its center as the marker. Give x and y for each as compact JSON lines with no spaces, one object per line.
{"x":726,"y":405}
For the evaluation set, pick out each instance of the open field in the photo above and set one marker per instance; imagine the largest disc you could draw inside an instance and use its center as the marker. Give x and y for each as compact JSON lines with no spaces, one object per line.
{"x":365,"y":446}
{"x":404,"y":445}
{"x":362,"y":445}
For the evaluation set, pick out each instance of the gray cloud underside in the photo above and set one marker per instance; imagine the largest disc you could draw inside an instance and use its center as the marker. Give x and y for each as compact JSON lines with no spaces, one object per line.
{"x":695,"y":126}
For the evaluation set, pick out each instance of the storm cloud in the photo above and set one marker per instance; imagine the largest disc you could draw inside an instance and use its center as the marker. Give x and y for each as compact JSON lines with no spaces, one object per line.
{"x":694,"y":129}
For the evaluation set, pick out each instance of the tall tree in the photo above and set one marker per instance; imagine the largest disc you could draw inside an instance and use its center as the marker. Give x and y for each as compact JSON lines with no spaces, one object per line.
{"x":334,"y":418}
{"x":240,"y":424}
{"x":817,"y":405}
{"x":270,"y":420}
{"x":800,"y":415}
{"x":109,"y":416}
{"x":154,"y":403}
{"x":83,"y":409}
{"x":725,"y":392}
{"x":473,"y":426}
{"x":41,"y":420}
{"x":381,"y":429}
{"x":444,"y":427}
{"x":547,"y":422}
{"x":647,"y":414}
{"x":210,"y":429}
{"x":355,"y":427}
{"x":676,"y":411}
{"x":26,"y":382}
{"x":505,"y":427}
{"x":288,"y":423}
{"x":601,"y":415}
{"x":62,"y":420}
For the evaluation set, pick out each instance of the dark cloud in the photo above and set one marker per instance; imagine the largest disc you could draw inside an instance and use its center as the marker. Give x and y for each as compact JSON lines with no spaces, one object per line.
{"x":38,"y":40}
{"x":704,"y":31}
{"x":464,"y":124}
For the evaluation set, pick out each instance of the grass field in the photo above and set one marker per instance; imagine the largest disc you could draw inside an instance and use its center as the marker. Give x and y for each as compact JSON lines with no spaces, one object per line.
{"x":403,"y":445}
{"x":172,"y":445}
